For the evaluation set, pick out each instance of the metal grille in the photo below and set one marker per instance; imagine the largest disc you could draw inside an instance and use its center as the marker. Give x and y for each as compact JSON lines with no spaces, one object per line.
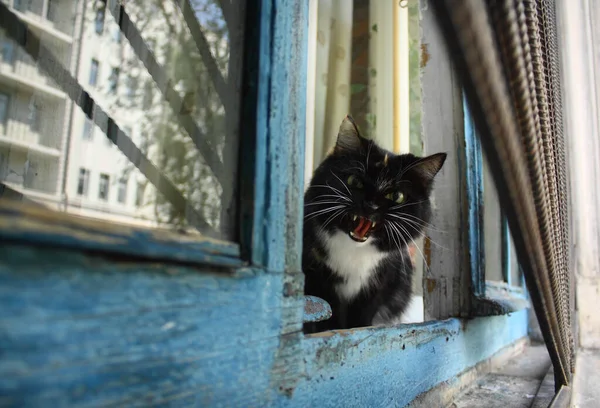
{"x":506,"y":52}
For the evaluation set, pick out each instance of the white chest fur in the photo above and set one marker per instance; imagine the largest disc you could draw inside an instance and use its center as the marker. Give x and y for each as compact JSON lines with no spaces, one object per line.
{"x":353,"y":261}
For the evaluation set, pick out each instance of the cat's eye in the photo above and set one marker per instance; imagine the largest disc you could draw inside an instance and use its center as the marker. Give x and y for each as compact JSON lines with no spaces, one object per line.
{"x":396,"y":197}
{"x":354,"y":182}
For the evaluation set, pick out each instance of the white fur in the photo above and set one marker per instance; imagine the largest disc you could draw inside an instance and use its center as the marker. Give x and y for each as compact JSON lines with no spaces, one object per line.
{"x":351,"y":260}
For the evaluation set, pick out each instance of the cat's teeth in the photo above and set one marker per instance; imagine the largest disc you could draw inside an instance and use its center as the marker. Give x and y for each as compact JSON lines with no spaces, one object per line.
{"x":354,"y":218}
{"x":374,"y":223}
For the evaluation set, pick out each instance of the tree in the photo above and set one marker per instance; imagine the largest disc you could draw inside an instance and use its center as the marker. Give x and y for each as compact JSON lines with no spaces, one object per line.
{"x":204,"y":71}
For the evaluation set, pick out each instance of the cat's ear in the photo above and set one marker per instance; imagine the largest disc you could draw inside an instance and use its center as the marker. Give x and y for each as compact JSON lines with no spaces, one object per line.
{"x":429,"y":166}
{"x":349,"y":139}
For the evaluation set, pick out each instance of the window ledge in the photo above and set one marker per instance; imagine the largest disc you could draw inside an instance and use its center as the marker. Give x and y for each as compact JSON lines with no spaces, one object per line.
{"x":499,"y":299}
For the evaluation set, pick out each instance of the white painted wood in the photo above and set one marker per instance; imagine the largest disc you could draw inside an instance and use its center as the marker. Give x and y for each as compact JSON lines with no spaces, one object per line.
{"x":446,"y":280}
{"x":401,"y":80}
{"x":579,"y":42}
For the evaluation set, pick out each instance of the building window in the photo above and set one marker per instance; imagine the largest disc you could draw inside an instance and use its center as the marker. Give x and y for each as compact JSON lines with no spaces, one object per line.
{"x":83,"y":182}
{"x":34,"y":116}
{"x":8,"y":51}
{"x":122,"y":192}
{"x":113,"y":80}
{"x":100,"y":20}
{"x":88,"y":129}
{"x":104,"y":185}
{"x":148,"y":95}
{"x":131,"y":87}
{"x":139,"y":194}
{"x":117,"y":35}
{"x":94,"y":68}
{"x":18,"y":5}
{"x":3,"y":107}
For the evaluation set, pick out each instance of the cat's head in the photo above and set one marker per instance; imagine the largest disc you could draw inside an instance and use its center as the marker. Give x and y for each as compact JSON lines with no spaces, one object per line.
{"x":369,"y":193}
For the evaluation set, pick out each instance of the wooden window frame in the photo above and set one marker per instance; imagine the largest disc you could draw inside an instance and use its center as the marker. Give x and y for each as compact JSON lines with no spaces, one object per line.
{"x":252,"y":290}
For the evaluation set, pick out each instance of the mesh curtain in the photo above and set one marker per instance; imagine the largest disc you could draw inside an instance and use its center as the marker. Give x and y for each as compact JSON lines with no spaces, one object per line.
{"x":506,"y":53}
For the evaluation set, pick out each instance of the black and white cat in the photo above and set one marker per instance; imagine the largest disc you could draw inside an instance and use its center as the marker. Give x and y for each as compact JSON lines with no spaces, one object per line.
{"x":363,"y":207}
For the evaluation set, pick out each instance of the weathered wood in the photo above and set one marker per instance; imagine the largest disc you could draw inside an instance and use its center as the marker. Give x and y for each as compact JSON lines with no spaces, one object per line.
{"x":34,"y":225}
{"x":445,"y":287}
{"x":316,"y":309}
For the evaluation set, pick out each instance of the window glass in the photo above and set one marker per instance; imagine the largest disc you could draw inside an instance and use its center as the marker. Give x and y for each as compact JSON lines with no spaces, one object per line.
{"x":122,"y":191}
{"x":83,"y":181}
{"x":6,"y":50}
{"x":88,"y":129}
{"x":99,"y":22}
{"x":94,"y":67}
{"x":3,"y":107}
{"x":103,"y":187}
{"x":195,"y":53}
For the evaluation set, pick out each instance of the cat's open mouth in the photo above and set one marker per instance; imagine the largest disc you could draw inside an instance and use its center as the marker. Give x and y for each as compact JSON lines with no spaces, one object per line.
{"x":360,"y":228}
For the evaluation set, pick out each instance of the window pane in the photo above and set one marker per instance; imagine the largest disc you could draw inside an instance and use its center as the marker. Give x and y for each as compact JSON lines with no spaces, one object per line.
{"x":184,"y":110}
{"x":103,"y":187}
{"x":493,"y":227}
{"x":88,"y":129}
{"x":3,"y":107}
{"x":122,"y":193}
{"x":94,"y":65}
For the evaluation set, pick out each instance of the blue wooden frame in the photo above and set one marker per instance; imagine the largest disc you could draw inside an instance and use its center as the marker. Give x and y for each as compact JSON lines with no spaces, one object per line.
{"x":488,"y":298}
{"x":475,"y":200}
{"x":84,"y":323}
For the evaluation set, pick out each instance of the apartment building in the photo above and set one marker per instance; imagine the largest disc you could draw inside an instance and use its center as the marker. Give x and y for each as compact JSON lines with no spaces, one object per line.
{"x":100,"y":181}
{"x":34,"y":113}
{"x":49,"y":151}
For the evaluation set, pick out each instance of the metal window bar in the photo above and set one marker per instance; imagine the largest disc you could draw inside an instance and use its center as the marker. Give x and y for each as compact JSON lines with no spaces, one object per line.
{"x":49,"y":64}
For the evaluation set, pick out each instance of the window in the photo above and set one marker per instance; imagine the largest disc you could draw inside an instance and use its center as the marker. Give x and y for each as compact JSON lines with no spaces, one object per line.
{"x":122,"y":191}
{"x":131,"y":87}
{"x":83,"y":182}
{"x":117,"y":35}
{"x":3,"y":107}
{"x":34,"y":116}
{"x":88,"y":129}
{"x":113,"y":80}
{"x":139,"y":194}
{"x":18,"y":5}
{"x":94,"y":68}
{"x":99,"y":21}
{"x":7,"y":50}
{"x":3,"y":165}
{"x":103,"y":187}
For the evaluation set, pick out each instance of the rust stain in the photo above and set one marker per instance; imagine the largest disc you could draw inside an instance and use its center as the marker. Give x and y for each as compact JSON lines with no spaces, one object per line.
{"x":427,"y":251}
{"x":430,"y":284}
{"x":425,"y":56}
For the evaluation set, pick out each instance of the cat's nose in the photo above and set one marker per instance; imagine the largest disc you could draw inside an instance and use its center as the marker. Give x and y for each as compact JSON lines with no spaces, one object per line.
{"x":372,"y":206}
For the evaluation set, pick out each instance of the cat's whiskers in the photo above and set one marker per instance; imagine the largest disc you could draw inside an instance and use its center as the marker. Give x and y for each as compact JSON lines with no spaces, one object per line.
{"x":397,"y":207}
{"x":331,"y":218}
{"x":416,"y":246}
{"x":322,"y":212}
{"x":322,"y":202}
{"x":343,"y":184}
{"x":409,"y":218}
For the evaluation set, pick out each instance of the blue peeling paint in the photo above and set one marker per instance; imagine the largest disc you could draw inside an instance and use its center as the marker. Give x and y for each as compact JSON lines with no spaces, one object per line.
{"x":474,"y":181}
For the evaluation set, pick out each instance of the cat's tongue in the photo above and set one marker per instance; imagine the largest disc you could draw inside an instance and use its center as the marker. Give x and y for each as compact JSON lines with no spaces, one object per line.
{"x":363,"y":227}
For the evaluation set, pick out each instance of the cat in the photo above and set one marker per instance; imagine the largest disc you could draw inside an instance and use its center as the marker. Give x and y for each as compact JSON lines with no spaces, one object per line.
{"x":363,"y":206}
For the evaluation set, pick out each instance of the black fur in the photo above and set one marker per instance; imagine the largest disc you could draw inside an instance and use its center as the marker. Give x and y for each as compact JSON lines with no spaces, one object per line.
{"x":379,"y":173}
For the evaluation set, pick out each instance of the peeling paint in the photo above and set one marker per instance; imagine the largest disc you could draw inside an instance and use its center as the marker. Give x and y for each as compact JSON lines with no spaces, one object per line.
{"x":425,"y":56}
